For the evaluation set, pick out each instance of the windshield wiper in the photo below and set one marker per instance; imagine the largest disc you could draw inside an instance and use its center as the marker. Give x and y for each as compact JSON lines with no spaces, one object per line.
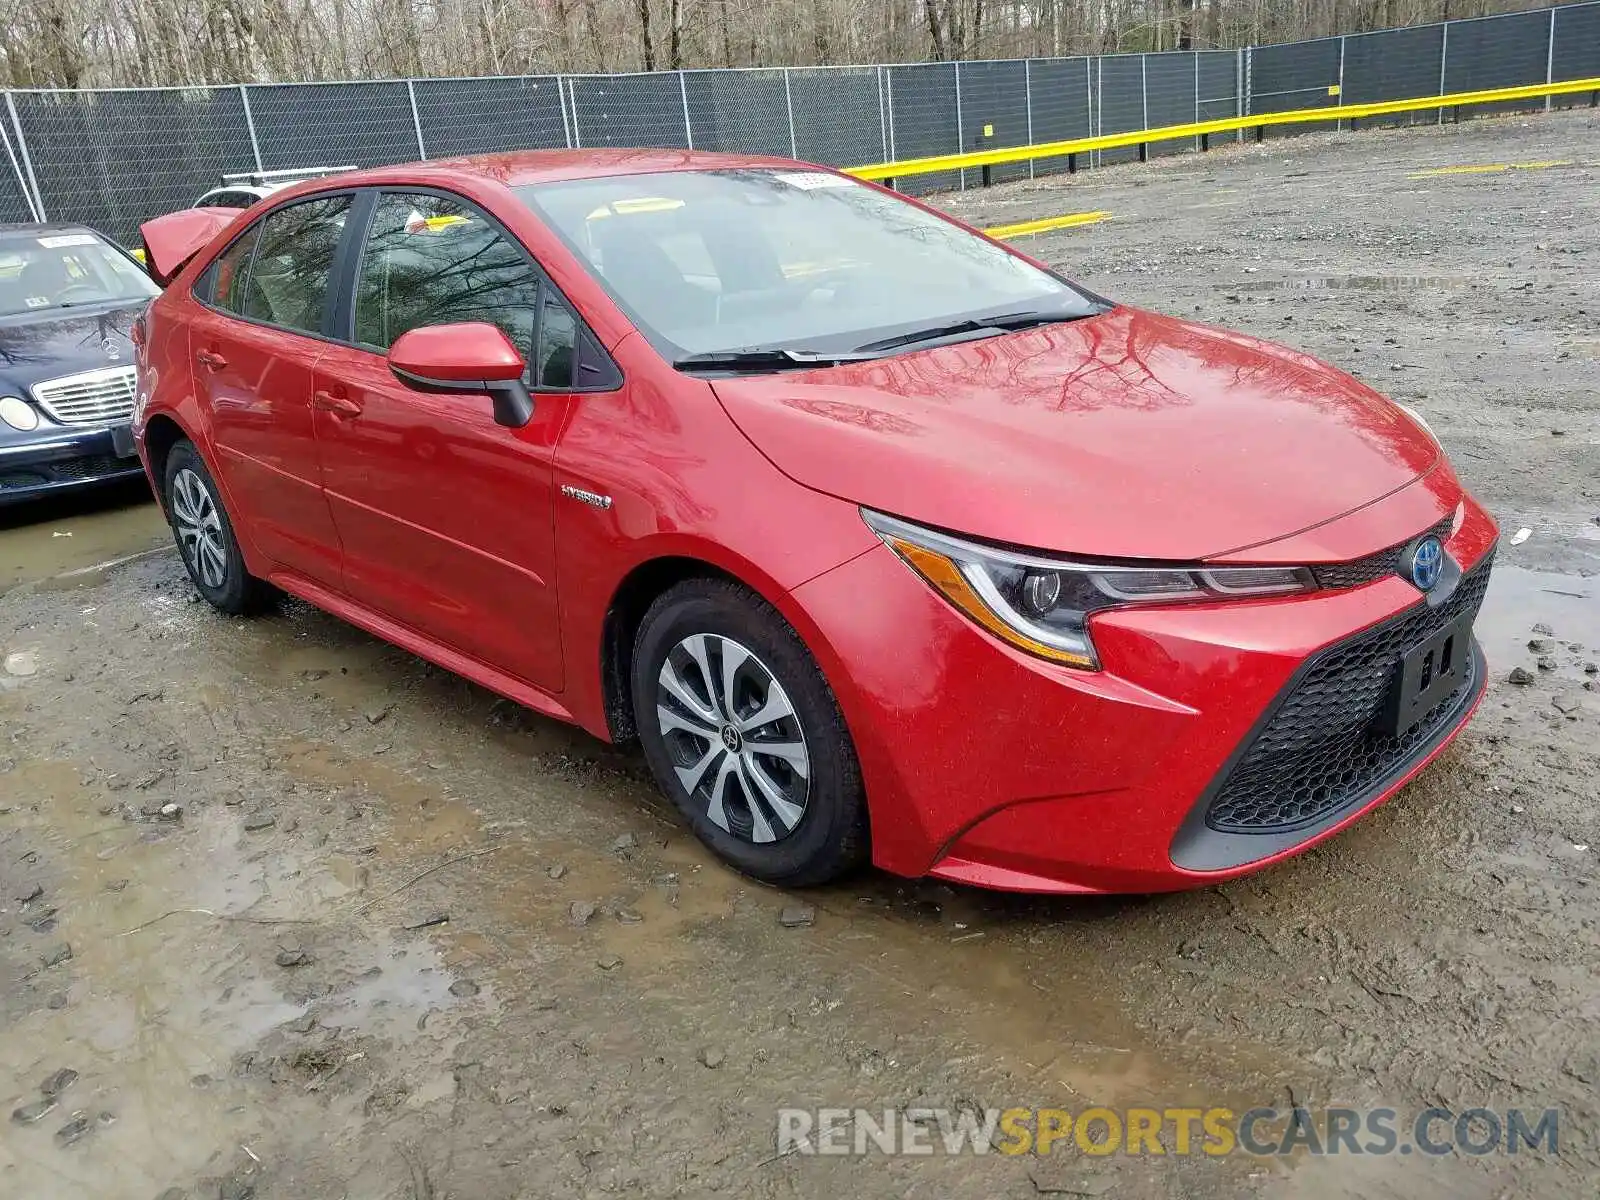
{"x":766,"y":360}
{"x":999,"y":323}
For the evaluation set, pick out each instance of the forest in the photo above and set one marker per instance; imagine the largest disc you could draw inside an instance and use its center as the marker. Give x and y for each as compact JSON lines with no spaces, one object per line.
{"x":132,"y":43}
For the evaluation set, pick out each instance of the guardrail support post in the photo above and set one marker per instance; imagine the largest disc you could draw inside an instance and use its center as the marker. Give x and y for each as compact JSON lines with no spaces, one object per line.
{"x":1261,"y":133}
{"x":1144,"y":151}
{"x":1205,"y":142}
{"x":1072,"y":164}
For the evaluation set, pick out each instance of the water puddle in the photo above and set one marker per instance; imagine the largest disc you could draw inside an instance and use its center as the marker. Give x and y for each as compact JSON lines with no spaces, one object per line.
{"x":1519,"y":598}
{"x":171,"y":985}
{"x":74,"y":540}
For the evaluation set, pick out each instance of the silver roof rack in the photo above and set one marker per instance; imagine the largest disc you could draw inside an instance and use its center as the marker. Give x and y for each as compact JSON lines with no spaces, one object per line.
{"x":264,"y":178}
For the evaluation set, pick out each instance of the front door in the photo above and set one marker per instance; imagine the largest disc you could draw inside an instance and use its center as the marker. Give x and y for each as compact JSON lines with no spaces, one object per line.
{"x":446,"y":518}
{"x":254,"y":356}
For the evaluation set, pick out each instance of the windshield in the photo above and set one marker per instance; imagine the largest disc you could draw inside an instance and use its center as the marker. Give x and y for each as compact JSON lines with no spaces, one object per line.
{"x":42,"y":271}
{"x":713,"y":262}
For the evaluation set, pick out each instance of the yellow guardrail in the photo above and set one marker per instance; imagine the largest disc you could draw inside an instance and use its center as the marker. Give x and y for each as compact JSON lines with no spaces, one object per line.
{"x":1045,"y":224}
{"x":1204,"y":129}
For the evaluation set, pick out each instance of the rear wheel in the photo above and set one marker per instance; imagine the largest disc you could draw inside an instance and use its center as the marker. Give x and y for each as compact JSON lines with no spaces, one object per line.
{"x":743,"y":733}
{"x":205,"y":537}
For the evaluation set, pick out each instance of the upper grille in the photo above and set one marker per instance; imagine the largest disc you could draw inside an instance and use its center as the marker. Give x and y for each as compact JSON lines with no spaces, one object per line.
{"x":1374,"y":566}
{"x":1322,"y":748}
{"x":102,"y":397}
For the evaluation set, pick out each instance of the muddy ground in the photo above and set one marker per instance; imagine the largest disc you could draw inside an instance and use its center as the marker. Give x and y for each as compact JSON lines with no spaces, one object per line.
{"x":352,"y":960}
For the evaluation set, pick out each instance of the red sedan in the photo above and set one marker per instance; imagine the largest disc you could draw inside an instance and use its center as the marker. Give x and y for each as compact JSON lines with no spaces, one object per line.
{"x":883,"y":539}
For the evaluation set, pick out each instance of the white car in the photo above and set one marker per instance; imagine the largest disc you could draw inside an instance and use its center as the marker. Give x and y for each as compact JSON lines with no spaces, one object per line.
{"x":241,"y":189}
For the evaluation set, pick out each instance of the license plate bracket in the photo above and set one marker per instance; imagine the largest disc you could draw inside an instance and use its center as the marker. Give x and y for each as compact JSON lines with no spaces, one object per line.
{"x":122,"y":441}
{"x":1428,"y":673}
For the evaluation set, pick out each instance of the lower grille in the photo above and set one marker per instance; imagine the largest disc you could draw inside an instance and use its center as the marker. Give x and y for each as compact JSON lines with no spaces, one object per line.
{"x":1322,"y":748}
{"x":67,"y":470}
{"x":1374,"y":566}
{"x":101,"y":397}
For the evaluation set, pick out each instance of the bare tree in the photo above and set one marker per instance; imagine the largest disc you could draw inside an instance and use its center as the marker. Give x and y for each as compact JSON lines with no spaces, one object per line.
{"x":90,"y":43}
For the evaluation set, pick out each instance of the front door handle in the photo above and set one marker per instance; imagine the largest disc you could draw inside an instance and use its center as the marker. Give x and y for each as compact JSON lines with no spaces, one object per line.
{"x":210,"y":358}
{"x":339,"y":406}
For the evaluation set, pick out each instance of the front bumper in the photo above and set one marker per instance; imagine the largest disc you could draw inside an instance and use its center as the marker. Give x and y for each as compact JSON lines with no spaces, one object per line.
{"x":55,"y":458}
{"x":989,"y":767}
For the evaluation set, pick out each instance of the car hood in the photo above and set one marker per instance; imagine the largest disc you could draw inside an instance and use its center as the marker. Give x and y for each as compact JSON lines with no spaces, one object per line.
{"x":64,"y":341}
{"x":1125,"y":435}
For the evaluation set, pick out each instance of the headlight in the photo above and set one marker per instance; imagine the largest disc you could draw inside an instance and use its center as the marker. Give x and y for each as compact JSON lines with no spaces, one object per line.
{"x":1418,"y":418}
{"x":1042,"y":605}
{"x":18,"y":414}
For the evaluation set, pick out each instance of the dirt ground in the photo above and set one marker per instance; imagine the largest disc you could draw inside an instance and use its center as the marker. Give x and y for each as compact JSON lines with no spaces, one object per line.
{"x":358,"y":958}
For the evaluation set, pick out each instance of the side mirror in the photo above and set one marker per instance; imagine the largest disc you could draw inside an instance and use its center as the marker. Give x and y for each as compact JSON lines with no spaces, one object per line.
{"x":471,"y":356}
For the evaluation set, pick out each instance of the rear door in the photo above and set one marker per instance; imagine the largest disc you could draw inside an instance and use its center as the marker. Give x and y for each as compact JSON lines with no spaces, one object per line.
{"x":446,"y":518}
{"x":266,"y":301}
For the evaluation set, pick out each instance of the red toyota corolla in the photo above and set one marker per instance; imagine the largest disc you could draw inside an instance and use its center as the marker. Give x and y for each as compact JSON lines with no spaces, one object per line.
{"x":882,"y":538}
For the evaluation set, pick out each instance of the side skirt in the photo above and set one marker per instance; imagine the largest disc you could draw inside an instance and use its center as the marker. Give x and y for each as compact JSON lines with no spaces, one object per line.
{"x":451,"y":659}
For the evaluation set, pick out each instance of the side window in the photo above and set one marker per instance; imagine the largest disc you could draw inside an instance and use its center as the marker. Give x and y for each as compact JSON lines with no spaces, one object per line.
{"x":558,"y":344}
{"x":433,"y":260}
{"x":230,"y":272}
{"x":290,"y":276}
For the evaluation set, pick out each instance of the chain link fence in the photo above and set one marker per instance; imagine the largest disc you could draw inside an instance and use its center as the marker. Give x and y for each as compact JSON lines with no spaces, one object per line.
{"x":116,"y":157}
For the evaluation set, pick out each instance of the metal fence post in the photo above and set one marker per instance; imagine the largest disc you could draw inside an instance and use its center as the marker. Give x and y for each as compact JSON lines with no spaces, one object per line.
{"x":561,"y":99}
{"x":1100,"y":109}
{"x":1241,"y":87}
{"x":416,"y":120}
{"x":27,"y":160}
{"x":1027,"y":92}
{"x":961,"y":132}
{"x":572,"y":98}
{"x":250,"y":124}
{"x":883,"y":117}
{"x":683,"y":91}
{"x":1444,"y":59}
{"x":1550,"y":60}
{"x":16,"y":169}
{"x":1197,"y":94}
{"x":1144,"y":104}
{"x":1339,"y":124}
{"x":886,"y":81}
{"x":788,"y":107}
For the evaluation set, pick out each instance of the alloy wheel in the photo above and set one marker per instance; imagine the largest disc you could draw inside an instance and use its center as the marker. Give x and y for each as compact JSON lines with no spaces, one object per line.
{"x":734,"y":738}
{"x":198,"y":524}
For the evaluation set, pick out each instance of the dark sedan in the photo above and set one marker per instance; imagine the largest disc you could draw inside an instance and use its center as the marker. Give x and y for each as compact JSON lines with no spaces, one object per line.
{"x":67,"y":299}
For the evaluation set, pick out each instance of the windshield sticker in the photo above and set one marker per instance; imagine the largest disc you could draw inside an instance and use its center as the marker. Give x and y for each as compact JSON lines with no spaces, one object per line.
{"x":37,"y":301}
{"x":68,"y":239}
{"x":811,"y":180}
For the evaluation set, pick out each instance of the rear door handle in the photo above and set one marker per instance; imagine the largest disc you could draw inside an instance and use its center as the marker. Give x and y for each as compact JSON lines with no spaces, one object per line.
{"x":339,"y":406}
{"x":210,"y":358}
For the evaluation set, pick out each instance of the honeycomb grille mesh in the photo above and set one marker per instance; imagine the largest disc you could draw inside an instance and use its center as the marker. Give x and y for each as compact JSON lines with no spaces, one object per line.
{"x":1374,"y":566}
{"x":1322,"y":748}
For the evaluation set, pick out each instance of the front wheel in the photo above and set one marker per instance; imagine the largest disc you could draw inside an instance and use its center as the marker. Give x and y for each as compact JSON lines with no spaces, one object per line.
{"x":744,"y":735}
{"x":205,"y":536}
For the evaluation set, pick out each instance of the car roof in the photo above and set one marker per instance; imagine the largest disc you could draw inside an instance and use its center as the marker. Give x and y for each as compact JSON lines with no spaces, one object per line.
{"x":521,"y":167}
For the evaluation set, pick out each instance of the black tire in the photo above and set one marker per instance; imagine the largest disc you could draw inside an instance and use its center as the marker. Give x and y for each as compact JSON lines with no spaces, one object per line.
{"x":830,"y":838}
{"x":237,"y":592}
